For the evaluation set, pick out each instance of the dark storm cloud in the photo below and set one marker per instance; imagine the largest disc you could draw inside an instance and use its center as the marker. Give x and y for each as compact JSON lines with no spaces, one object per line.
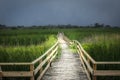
{"x":43,"y":12}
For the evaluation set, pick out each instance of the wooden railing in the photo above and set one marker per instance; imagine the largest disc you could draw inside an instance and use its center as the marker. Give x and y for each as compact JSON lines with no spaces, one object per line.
{"x":90,"y":65}
{"x":33,"y":70}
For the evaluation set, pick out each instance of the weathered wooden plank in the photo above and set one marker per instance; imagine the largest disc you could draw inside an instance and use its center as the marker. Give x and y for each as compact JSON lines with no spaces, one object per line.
{"x":22,"y":64}
{"x":17,"y":73}
{"x":107,"y":73}
{"x":1,"y":74}
{"x":107,"y":62}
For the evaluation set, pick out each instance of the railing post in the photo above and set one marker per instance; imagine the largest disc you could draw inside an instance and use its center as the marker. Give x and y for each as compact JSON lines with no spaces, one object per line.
{"x":41,"y":67}
{"x":94,"y":68}
{"x":49,"y":58}
{"x":1,"y":73}
{"x":88,"y":60}
{"x":32,"y":69}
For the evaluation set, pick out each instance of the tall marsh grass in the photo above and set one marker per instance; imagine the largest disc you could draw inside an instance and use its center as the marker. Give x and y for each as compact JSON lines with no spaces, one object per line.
{"x":103,"y":47}
{"x":25,"y":45}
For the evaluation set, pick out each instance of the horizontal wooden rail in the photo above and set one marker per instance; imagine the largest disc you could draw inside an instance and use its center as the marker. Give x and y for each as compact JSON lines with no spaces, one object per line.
{"x":106,"y":62}
{"x":11,"y":64}
{"x":107,"y":73}
{"x":17,"y":74}
{"x":45,"y":59}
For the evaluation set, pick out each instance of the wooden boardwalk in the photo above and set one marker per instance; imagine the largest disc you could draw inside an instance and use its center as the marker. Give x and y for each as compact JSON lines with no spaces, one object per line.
{"x":67,"y":67}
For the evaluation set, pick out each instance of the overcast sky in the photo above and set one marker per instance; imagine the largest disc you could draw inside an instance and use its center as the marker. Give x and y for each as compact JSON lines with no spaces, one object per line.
{"x":44,"y":12}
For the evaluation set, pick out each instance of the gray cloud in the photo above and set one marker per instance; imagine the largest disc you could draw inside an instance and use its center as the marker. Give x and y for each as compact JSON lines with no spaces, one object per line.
{"x":43,"y":12}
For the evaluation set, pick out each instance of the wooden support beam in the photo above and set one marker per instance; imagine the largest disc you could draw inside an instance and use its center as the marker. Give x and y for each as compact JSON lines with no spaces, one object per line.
{"x":0,"y":73}
{"x":32,"y":69}
{"x":94,"y":69}
{"x":41,"y":69}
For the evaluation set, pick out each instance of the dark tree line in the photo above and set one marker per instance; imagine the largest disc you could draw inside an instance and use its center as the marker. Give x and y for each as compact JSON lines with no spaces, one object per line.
{"x":96,"y":25}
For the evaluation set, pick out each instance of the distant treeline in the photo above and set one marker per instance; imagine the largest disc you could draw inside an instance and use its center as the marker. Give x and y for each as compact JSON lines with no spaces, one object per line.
{"x":96,"y":25}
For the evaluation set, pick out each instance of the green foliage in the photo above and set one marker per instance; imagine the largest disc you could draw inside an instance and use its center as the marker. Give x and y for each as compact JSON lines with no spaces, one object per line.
{"x":24,"y":37}
{"x":101,"y":44}
{"x":73,"y":48}
{"x":24,"y":45}
{"x":103,"y":47}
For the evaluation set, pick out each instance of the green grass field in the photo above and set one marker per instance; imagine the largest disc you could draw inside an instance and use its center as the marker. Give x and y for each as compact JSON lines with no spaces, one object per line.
{"x":25,"y":45}
{"x":98,"y":42}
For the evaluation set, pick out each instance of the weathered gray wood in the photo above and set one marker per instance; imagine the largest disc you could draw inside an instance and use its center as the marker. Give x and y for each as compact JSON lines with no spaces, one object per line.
{"x":0,"y":73}
{"x":21,"y":63}
{"x":94,"y":68}
{"x":32,"y":69}
{"x":17,"y":74}
{"x":41,"y":69}
{"x":107,"y":62}
{"x":67,"y":67}
{"x":107,"y":73}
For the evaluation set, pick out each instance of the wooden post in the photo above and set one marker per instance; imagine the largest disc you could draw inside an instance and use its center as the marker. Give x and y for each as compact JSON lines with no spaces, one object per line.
{"x":48,"y":56}
{"x":79,"y":52}
{"x":32,"y":69}
{"x":41,"y":67}
{"x":88,"y":60}
{"x":1,"y":73}
{"x":94,"y":68}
